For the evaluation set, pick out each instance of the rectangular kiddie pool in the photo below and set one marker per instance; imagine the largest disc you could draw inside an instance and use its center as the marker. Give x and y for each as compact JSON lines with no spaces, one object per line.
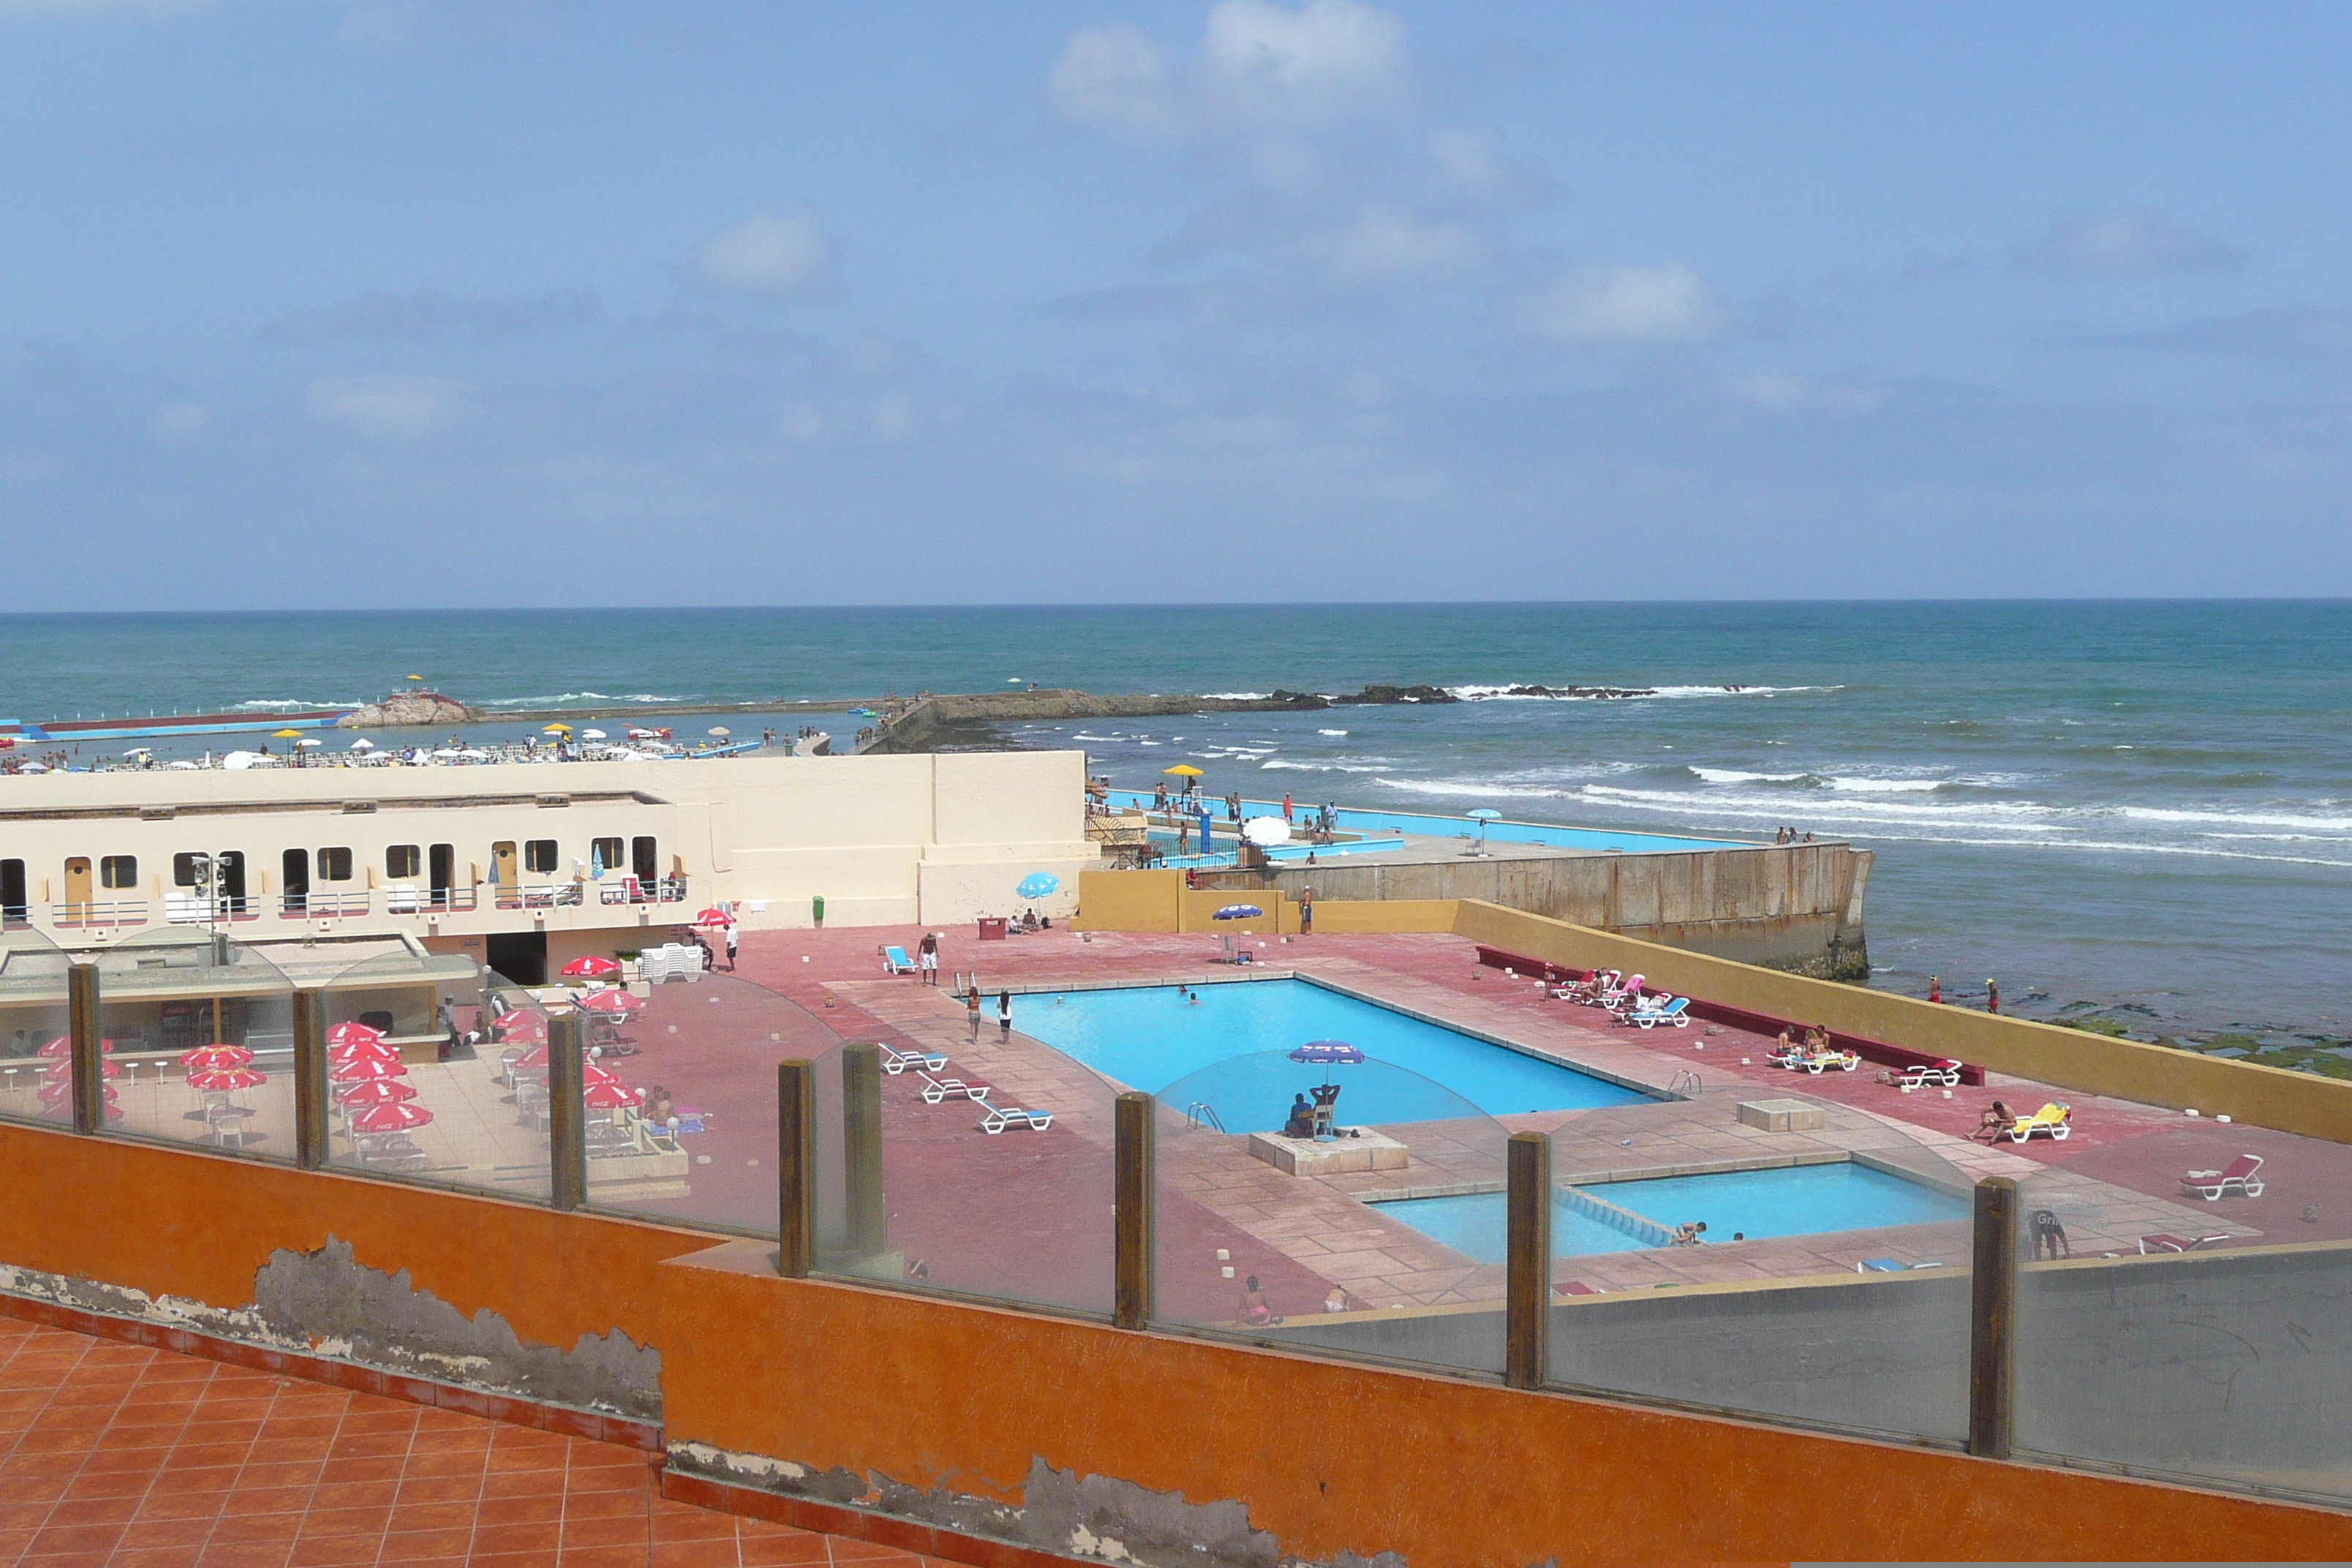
{"x":1227,"y":1049}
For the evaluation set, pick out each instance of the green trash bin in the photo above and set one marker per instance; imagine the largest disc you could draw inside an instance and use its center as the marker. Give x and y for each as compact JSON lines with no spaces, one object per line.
{"x":816,"y":910}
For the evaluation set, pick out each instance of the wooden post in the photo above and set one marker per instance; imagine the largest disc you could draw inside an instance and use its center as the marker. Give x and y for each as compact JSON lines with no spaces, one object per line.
{"x":1992,"y":1332}
{"x":1131,"y":1197}
{"x":567,"y":1133}
{"x":310,"y":1143}
{"x":861,"y":1147}
{"x":89,"y":1065}
{"x":1527,"y":1290}
{"x":795,"y":1167}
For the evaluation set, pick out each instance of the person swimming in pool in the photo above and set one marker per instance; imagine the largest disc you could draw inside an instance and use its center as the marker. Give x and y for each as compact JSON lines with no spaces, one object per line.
{"x":1687,"y":1233}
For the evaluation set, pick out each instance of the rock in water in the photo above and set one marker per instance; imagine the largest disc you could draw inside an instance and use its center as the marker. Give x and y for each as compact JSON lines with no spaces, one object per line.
{"x":409,"y":710}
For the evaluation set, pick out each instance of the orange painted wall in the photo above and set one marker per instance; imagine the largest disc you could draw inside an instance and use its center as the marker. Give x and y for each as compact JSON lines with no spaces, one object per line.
{"x":1333,"y":1456}
{"x":200,"y":1225}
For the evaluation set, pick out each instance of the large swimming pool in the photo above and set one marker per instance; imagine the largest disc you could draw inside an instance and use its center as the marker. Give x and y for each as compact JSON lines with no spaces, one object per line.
{"x":1350,"y":819}
{"x":1798,"y":1200}
{"x":1150,"y":1037}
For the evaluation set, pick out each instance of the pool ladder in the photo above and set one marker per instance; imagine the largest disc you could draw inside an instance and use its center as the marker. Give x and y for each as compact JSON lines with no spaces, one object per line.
{"x":1686,"y":1085}
{"x":1200,"y":1113}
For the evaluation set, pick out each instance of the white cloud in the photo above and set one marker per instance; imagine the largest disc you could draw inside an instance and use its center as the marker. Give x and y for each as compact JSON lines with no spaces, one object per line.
{"x":1663,"y":304}
{"x":388,"y":407}
{"x":1269,"y":64}
{"x":1262,"y":68}
{"x":2123,"y":242}
{"x":782,"y":254}
{"x":1382,"y":243}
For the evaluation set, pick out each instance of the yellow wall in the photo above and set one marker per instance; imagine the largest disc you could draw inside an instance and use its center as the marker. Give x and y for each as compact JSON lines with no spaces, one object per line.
{"x":1127,"y":900}
{"x":2072,"y":1058}
{"x":1384,"y":914}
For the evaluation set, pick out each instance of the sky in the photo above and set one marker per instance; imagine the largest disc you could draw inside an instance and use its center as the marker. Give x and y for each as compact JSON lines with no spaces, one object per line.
{"x":400,"y":303}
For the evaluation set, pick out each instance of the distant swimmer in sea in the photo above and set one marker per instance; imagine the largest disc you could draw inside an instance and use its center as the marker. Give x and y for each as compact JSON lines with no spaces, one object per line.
{"x":1935,"y":989}
{"x":1992,"y":995}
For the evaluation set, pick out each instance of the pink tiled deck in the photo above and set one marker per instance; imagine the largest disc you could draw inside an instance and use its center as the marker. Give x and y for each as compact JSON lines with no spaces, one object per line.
{"x":144,"y":1458}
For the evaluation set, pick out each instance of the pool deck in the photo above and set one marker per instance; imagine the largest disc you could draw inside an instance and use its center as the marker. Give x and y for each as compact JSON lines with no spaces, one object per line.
{"x":2112,"y":1181}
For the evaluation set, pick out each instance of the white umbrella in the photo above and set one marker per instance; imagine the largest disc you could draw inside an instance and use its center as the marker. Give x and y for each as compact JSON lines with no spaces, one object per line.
{"x":307,"y":744}
{"x":181,"y":763}
{"x":1264,"y":830}
{"x":139,"y":752}
{"x":592,"y":734}
{"x":363,"y":745}
{"x":720,"y":731}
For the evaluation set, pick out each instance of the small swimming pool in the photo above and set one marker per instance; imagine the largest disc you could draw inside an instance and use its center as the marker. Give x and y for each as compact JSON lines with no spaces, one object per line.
{"x":1150,"y":1037}
{"x":1350,"y":819}
{"x":1797,"y":1200}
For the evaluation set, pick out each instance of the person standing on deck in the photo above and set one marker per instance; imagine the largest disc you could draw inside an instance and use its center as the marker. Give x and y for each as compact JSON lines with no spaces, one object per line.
{"x":1285,"y":806}
{"x":1003,"y":1016}
{"x":734,"y":938}
{"x":972,"y":1011}
{"x":927,"y":957}
{"x":1306,"y":911}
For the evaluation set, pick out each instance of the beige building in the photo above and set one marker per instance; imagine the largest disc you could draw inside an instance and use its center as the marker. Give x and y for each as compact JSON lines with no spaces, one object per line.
{"x":525,"y":865}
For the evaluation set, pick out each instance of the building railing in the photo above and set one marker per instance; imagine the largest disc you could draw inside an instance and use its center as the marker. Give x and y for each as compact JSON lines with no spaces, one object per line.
{"x":323,"y":906}
{"x":634,"y":890}
{"x":403,"y":898}
{"x":99,"y":912}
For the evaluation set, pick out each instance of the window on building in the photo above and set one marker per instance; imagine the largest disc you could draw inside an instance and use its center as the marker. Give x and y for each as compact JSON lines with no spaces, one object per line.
{"x":118,"y":871}
{"x":539,"y":854}
{"x":403,"y":860}
{"x":334,"y":865}
{"x":608,"y":852}
{"x":185,"y":869}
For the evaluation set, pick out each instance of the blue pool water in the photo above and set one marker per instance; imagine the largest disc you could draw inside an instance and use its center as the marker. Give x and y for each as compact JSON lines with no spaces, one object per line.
{"x":1352,"y":820}
{"x":1802,"y":1200}
{"x":1150,"y":1037}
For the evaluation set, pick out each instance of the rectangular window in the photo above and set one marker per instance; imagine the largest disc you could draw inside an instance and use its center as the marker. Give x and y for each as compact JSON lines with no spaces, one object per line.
{"x":334,"y":865}
{"x":119,"y":871}
{"x":608,"y":852}
{"x":403,"y":860}
{"x":185,"y":869}
{"x":539,"y":854}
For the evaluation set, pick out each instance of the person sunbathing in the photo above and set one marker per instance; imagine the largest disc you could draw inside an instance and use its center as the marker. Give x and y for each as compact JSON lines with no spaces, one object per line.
{"x":1995,"y":1121}
{"x":1257,"y":1312}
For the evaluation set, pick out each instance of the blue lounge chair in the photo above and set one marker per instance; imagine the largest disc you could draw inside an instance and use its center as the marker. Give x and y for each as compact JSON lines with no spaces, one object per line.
{"x":998,"y":1118}
{"x":895,"y":959}
{"x":1676,"y":1012}
{"x":896,"y":1062}
{"x":936,"y":1090}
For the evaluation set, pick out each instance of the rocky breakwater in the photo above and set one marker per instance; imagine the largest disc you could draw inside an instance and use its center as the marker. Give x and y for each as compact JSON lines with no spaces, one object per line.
{"x":409,"y":710}
{"x":967,"y":723}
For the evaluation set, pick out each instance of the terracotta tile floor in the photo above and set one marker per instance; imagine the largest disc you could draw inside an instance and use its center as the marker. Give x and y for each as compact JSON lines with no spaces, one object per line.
{"x":117,"y":1454}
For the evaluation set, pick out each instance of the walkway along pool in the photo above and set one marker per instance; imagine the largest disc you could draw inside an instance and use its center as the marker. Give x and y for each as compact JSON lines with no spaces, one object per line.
{"x":1148,"y":1038}
{"x":1795,"y":1200}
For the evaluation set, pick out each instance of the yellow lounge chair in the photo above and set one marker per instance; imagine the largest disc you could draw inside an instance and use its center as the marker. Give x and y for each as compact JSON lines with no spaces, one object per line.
{"x":2051,"y":1119}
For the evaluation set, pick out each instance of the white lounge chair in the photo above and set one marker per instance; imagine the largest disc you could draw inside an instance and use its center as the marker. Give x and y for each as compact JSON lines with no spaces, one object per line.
{"x":2242,"y":1175}
{"x":936,"y":1090}
{"x":998,"y":1118}
{"x":1675,"y":1013}
{"x":1946,"y":1072}
{"x":896,"y":1062}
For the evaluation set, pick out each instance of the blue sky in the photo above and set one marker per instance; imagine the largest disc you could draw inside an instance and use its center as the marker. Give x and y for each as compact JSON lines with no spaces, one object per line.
{"x":391,"y":303}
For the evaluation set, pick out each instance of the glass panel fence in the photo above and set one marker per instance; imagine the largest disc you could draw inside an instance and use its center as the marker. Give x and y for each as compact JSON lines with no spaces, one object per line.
{"x":35,"y":1021}
{"x":197,"y":1032}
{"x":1786,"y":1256}
{"x":976,"y":1161}
{"x":1315,"y":1198}
{"x":2184,"y":1310}
{"x":437,"y":1069}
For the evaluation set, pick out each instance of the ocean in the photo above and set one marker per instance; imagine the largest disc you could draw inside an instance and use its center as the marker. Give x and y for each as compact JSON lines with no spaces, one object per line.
{"x":2140,"y":811}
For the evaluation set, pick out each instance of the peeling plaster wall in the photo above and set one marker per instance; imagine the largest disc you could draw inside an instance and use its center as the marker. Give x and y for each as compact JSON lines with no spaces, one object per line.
{"x":327,"y":1303}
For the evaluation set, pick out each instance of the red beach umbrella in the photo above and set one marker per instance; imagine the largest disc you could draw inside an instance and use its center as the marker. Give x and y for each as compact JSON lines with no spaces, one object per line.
{"x":363,"y":1051}
{"x":63,"y":1046}
{"x":611,"y":1096}
{"x":365,"y":1069}
{"x":62,"y":1072}
{"x":620,"y":1004}
{"x":219,"y":1080}
{"x":215,"y":1055}
{"x":714,"y":916}
{"x":376,"y":1091}
{"x":534,"y":1057}
{"x":352,"y":1034}
{"x":62,"y":1109}
{"x":590,"y":968}
{"x":391,"y":1116}
{"x":520,"y":1026}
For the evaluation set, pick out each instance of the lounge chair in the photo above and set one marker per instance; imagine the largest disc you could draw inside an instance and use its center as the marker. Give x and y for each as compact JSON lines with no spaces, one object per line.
{"x":896,"y":1062}
{"x":936,"y":1090}
{"x":1821,"y":1062}
{"x":2152,"y":1244}
{"x":1000,"y":1117}
{"x":1946,"y":1072}
{"x":2243,"y":1174}
{"x":2052,"y":1120}
{"x":1675,"y":1013}
{"x":896,"y":962}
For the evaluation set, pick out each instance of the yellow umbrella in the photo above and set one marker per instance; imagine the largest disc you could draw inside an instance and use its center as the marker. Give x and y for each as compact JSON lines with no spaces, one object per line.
{"x":284,"y":735}
{"x":415,"y":677}
{"x":1187,"y":769}
{"x":556,"y":730}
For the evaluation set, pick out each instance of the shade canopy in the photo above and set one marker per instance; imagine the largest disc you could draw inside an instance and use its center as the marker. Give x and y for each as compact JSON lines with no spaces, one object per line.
{"x":1327,"y":1053}
{"x":219,"y":1080}
{"x":215,"y":1055}
{"x":714,"y":916}
{"x":379,"y":1091}
{"x":1483,"y":814}
{"x":588,"y":968}
{"x":619,"y":1003}
{"x":362,"y":1069}
{"x":63,"y":1046}
{"x":362,"y":1050}
{"x":345,"y":1034}
{"x":1237,"y":912}
{"x":1184,"y":769}
{"x":392,"y":1116}
{"x":1267,"y":830}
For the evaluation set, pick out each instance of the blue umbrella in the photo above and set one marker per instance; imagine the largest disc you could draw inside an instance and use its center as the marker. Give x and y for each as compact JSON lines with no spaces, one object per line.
{"x":1481,"y":816}
{"x":1237,"y":912}
{"x":1337,"y":1053}
{"x":1038,"y":884}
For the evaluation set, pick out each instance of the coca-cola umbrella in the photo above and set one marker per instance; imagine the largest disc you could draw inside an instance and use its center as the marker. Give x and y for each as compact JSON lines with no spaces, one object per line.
{"x":376,"y":1091}
{"x":534,"y":1057}
{"x":613,"y":1096}
{"x":391,"y":1116}
{"x":520,"y":1026}
{"x":62,"y":1072}
{"x":61,"y":1107}
{"x":63,"y":1046}
{"x":215,"y":1055}
{"x":715,"y":916}
{"x":590,"y":968}
{"x":346,"y":1033}
{"x":227,"y":1081}
{"x":618,"y":1003}
{"x":365,"y":1069}
{"x":362,"y":1050}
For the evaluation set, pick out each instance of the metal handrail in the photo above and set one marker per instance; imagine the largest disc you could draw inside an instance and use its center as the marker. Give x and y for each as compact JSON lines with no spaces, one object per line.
{"x":305,"y":906}
{"x":1685,"y":1085}
{"x":99,"y":912}
{"x":1201,"y":1112}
